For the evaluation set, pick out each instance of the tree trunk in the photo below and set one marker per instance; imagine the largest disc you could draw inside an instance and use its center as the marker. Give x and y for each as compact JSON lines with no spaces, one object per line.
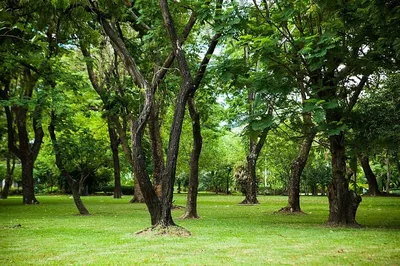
{"x":28,"y":184}
{"x":156,"y":148}
{"x":9,"y":174}
{"x":26,"y":151}
{"x":251,"y":186}
{"x":114,"y":143}
{"x":191,"y":203}
{"x":373,"y":189}
{"x":76,"y":193}
{"x":343,"y":203}
{"x":388,"y":173}
{"x":75,"y":186}
{"x":297,"y":166}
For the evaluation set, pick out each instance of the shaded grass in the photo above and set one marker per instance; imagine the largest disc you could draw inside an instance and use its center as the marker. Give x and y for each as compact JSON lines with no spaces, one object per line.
{"x":52,"y":234}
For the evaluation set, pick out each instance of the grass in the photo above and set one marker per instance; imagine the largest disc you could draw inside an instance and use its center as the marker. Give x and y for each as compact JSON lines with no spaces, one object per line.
{"x":52,"y":234}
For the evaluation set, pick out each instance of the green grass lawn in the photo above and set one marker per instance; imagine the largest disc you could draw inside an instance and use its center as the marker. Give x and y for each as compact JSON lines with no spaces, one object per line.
{"x":227,"y":234}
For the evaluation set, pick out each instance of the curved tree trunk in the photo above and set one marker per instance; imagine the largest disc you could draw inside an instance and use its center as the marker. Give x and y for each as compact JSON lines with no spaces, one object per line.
{"x":191,"y":203}
{"x":73,"y":184}
{"x":297,"y":166}
{"x":75,"y":188}
{"x":373,"y":188}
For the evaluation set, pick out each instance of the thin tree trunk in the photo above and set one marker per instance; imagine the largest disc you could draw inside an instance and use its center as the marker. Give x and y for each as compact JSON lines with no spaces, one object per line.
{"x":73,"y":184}
{"x":9,"y":174}
{"x":191,"y":203}
{"x":388,"y":173}
{"x":373,"y":189}
{"x":114,"y":143}
{"x":138,"y":194}
{"x":251,"y":184}
{"x":297,"y":166}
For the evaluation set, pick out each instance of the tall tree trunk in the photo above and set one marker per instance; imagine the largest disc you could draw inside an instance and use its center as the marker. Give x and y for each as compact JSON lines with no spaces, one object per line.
{"x":373,"y":189}
{"x":26,"y":151}
{"x":73,"y":184}
{"x":105,"y":95}
{"x":151,"y":198}
{"x":138,"y":194}
{"x":156,"y":148}
{"x":343,"y":203}
{"x":9,"y":174}
{"x":298,"y":165}
{"x":114,"y":143}
{"x":191,"y":203}
{"x":388,"y":173}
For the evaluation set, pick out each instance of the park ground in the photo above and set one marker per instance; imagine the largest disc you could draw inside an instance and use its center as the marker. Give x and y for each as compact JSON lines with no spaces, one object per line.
{"x":52,"y":233}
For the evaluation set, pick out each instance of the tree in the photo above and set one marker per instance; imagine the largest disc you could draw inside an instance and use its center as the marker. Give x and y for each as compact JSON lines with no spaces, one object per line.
{"x":375,"y":126}
{"x":324,"y":46}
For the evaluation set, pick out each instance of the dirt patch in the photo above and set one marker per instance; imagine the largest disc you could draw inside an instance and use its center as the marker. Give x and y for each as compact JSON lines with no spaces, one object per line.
{"x":172,"y":230}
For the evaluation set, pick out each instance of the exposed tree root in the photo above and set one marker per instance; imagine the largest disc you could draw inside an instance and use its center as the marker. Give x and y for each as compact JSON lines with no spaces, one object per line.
{"x":246,"y":202}
{"x":290,"y":211}
{"x":177,"y":207}
{"x":343,"y":225}
{"x":161,"y":230}
{"x":188,"y":216}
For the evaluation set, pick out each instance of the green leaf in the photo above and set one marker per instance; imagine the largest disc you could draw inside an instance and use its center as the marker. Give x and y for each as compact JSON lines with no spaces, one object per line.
{"x":265,"y":122}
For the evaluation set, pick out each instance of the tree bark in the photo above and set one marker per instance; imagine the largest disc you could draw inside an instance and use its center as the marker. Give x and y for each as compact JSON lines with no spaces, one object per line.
{"x":191,"y":203}
{"x":298,"y":165}
{"x":9,"y":174}
{"x":343,"y":203}
{"x":251,"y":184}
{"x":26,"y":152}
{"x":73,"y":184}
{"x":114,"y":143}
{"x":156,"y":148}
{"x":373,"y":189}
{"x":187,"y":87}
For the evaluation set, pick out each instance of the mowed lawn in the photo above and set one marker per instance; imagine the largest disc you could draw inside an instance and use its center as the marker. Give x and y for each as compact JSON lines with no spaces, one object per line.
{"x":227,"y":234}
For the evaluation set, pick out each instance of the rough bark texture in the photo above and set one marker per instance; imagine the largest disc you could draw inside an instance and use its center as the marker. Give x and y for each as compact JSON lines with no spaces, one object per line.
{"x":187,"y":87}
{"x":343,"y":203}
{"x":73,"y":184}
{"x":297,"y":166}
{"x":373,"y":189}
{"x":191,"y":203}
{"x":156,"y":148}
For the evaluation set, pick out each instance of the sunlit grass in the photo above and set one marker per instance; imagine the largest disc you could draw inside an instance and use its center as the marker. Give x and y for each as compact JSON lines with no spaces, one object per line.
{"x":227,"y":233}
